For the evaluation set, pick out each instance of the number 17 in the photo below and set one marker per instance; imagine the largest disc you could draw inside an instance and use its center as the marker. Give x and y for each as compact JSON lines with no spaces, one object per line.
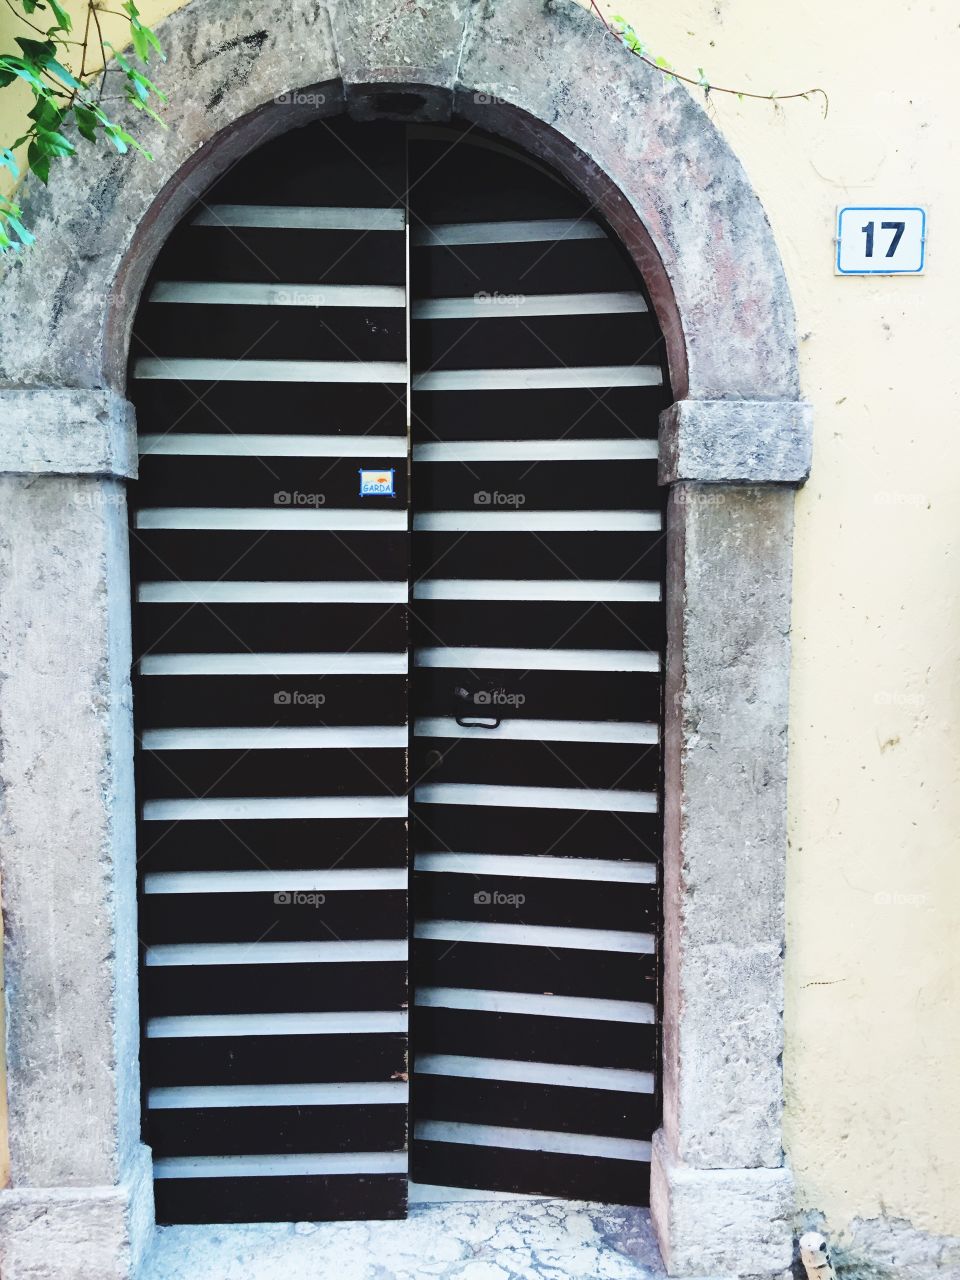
{"x":897,"y":228}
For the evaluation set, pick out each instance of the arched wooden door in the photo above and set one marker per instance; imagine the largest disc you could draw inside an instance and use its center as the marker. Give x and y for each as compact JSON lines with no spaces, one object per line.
{"x":351,"y":306}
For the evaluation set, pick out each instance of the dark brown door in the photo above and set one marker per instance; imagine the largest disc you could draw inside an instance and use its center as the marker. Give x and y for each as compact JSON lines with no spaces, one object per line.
{"x":350,"y":305}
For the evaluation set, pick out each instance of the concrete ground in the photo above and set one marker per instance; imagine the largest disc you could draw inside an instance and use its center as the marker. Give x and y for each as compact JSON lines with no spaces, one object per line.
{"x":489,"y":1239}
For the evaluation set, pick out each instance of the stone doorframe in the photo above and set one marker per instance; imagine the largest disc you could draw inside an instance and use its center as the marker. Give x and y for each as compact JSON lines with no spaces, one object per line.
{"x":734,"y":446}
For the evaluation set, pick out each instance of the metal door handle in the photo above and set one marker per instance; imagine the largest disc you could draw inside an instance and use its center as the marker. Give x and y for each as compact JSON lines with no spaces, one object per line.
{"x":478,"y":722}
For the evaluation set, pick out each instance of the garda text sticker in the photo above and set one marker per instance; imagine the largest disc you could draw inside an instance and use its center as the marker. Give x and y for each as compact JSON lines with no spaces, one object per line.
{"x":377,"y":483}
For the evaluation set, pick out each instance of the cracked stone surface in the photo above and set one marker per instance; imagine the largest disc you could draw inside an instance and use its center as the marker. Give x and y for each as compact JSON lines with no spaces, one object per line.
{"x":501,"y":1239}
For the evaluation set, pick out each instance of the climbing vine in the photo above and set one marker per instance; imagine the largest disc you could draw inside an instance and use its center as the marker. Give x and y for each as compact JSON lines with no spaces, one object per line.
{"x":621,"y":30}
{"x":60,"y":62}
{"x":69,"y":107}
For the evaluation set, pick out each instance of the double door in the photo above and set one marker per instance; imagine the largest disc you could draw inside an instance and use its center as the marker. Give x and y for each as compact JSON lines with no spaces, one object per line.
{"x":397,"y":550}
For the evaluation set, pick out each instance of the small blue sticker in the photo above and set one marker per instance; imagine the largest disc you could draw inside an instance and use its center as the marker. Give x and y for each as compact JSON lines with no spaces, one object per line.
{"x":377,"y":484}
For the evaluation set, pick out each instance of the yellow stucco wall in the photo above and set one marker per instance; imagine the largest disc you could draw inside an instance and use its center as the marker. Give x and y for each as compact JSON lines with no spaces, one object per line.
{"x":873,"y":976}
{"x":873,"y":960}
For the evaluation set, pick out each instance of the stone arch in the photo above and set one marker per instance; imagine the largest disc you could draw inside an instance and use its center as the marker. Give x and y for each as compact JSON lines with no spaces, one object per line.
{"x":737,"y":440}
{"x":647,"y":154}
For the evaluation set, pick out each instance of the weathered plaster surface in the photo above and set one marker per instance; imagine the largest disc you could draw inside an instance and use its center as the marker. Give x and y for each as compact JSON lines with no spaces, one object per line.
{"x":476,"y":1240}
{"x":910,"y":1254}
{"x":67,"y":432}
{"x":78,"y":1233}
{"x":720,"y":1222}
{"x":391,"y":42}
{"x":68,"y":861}
{"x":81,"y":1203}
{"x":736,"y":442}
{"x":725,"y":759}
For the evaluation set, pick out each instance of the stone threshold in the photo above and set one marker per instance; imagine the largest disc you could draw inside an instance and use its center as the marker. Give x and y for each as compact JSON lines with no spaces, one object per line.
{"x":515,"y":1238}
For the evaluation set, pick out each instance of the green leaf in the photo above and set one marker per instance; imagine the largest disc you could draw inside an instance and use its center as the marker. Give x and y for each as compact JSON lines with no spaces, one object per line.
{"x":86,"y":122}
{"x":154,"y":42}
{"x":146,"y":83}
{"x":63,"y":74}
{"x":20,"y":69}
{"x":141,"y":46}
{"x":54,"y":144}
{"x":117,"y":136}
{"x":145,"y":107}
{"x":24,"y":236}
{"x":36,"y":50}
{"x":64,"y":21}
{"x":39,"y":162}
{"x":8,"y":161}
{"x":46,"y":114}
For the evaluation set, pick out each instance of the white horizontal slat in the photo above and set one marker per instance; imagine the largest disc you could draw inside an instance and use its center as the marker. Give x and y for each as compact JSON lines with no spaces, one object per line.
{"x":484,"y":306}
{"x":223,"y":293}
{"x":536,"y":379}
{"x":352,"y":1022}
{"x":349,"y":1094}
{"x":204,"y":809}
{"x":280,"y":518}
{"x":487,"y":795}
{"x":210,"y":369}
{"x":353,"y":879}
{"x":379,"y":951}
{"x":300,"y":217}
{"x":574,"y":1144}
{"x":228,"y":444}
{"x":535,"y":589}
{"x":430,"y":1193}
{"x":560,"y":1074}
{"x":274,"y":664}
{"x":281,"y":1166}
{"x":538,"y":659}
{"x":508,"y":232}
{"x":500,"y":520}
{"x":535,"y":935}
{"x":537,"y":451}
{"x":625,"y":731}
{"x":233,"y":592}
{"x":536,"y":867}
{"x":585,"y":1007}
{"x":255,"y":738}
